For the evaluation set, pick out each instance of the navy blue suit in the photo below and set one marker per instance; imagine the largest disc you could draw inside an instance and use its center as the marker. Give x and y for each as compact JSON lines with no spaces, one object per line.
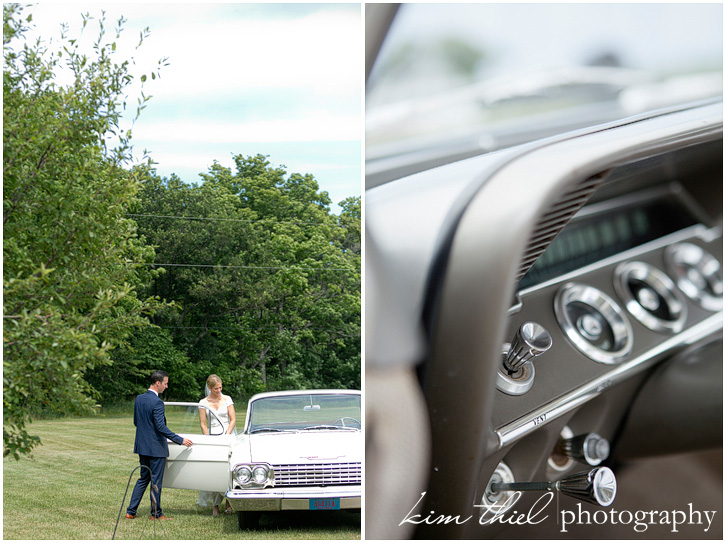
{"x":151,"y":446}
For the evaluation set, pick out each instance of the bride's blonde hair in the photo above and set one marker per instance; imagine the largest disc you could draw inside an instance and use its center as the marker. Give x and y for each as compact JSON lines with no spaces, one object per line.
{"x":212,"y":381}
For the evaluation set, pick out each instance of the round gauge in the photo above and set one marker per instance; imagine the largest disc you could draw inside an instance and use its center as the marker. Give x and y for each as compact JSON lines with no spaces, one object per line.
{"x":650,"y":296}
{"x":594,"y":323}
{"x":697,"y":273}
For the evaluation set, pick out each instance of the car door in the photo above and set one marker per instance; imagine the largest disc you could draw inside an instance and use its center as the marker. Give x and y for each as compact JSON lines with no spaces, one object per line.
{"x":204,"y":465}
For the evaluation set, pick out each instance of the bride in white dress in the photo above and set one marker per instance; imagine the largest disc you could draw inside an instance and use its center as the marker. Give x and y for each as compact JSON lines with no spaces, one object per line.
{"x":223,"y":408}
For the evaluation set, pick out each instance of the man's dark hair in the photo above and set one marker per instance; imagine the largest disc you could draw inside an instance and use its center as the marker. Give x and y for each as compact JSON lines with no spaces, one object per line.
{"x":158,"y":376}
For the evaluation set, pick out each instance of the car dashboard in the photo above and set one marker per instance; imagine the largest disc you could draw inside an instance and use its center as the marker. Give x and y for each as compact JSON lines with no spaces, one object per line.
{"x":566,"y":289}
{"x":625,"y":281}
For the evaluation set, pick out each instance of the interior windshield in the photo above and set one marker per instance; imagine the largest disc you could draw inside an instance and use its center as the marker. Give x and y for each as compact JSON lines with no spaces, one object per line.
{"x":305,"y":412}
{"x":495,"y":75}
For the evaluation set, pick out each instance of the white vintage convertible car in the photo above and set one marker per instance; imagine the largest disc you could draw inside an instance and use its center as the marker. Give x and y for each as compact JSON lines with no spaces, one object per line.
{"x":299,"y":450}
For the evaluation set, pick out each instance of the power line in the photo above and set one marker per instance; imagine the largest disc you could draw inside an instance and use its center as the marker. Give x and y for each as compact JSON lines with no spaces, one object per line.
{"x":241,"y":326}
{"x":232,"y":220}
{"x":241,"y":267}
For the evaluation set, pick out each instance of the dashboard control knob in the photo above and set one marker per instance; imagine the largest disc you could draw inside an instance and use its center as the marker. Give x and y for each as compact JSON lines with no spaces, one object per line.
{"x":594,"y":323}
{"x":648,"y":298}
{"x":530,"y":341}
{"x":651,"y":296}
{"x":697,"y":273}
{"x":597,"y":486}
{"x":587,"y":448}
{"x":590,"y":327}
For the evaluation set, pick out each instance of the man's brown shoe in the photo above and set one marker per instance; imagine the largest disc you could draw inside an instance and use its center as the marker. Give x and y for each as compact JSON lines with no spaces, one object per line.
{"x":130,"y":516}
{"x":162,"y":517}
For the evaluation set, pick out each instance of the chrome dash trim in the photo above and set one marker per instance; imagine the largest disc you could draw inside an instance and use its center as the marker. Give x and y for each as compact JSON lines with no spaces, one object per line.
{"x":608,"y":309}
{"x":509,"y":433}
{"x":692,"y":232}
{"x":681,"y":258}
{"x":662,"y":286}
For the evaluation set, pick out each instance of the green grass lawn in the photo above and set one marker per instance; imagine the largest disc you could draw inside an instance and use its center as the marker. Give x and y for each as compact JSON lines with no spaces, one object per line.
{"x":73,"y":487}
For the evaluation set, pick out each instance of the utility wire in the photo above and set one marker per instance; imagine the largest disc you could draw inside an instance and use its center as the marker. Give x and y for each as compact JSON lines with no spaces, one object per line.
{"x":212,"y":328}
{"x":232,"y":220}
{"x":241,"y":267}
{"x":242,"y":326}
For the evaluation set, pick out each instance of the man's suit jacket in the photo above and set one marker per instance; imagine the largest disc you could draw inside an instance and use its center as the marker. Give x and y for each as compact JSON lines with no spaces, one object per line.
{"x":151,"y":429}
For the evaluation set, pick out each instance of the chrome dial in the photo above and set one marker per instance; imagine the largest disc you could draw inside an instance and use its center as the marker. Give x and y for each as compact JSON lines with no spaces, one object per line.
{"x":594,"y":323}
{"x":650,"y":296}
{"x":697,"y":273}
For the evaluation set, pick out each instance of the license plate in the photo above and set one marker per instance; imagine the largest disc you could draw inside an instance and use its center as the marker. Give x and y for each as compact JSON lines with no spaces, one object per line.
{"x":328,"y":504}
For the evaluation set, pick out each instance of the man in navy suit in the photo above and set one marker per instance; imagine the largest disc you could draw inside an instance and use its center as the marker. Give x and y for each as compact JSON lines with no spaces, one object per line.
{"x":151,"y":445}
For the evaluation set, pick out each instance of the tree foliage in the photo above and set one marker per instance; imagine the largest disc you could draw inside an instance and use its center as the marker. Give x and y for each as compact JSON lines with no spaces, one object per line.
{"x":70,"y":288}
{"x":265,"y":280}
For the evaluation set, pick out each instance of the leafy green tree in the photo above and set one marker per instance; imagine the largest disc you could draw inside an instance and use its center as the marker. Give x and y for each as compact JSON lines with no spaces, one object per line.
{"x":268,"y":290}
{"x":70,"y":288}
{"x":349,"y":221}
{"x":149,"y":348}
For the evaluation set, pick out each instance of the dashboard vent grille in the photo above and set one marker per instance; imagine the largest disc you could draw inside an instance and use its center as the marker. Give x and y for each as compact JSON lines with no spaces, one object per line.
{"x":555,"y":219}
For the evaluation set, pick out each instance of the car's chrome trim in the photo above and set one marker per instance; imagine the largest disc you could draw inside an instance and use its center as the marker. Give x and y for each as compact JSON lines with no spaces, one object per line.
{"x":662,"y":285}
{"x":251,"y":484}
{"x":610,"y":312}
{"x":698,"y":231}
{"x":684,"y":257}
{"x":291,"y":499}
{"x":493,"y":503}
{"x":327,"y":474}
{"x":513,"y":431}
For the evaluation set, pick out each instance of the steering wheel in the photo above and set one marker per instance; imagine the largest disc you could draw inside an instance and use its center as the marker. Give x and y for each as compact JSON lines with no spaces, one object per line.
{"x":342,"y":420}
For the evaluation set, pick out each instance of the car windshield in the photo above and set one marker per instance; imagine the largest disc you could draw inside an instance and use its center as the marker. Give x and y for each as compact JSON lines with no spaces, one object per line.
{"x":481,"y":77}
{"x":305,"y":412}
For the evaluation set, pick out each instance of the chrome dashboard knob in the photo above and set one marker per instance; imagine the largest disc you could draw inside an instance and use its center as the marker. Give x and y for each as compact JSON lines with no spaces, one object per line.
{"x":530,"y":341}
{"x":589,"y":448}
{"x":697,"y":273}
{"x":597,"y":486}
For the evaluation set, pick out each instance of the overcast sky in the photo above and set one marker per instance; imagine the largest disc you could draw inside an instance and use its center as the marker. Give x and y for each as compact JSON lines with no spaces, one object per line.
{"x":284,"y":80}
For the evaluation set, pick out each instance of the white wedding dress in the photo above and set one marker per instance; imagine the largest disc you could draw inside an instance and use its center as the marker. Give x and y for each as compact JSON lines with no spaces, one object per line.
{"x":208,"y":499}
